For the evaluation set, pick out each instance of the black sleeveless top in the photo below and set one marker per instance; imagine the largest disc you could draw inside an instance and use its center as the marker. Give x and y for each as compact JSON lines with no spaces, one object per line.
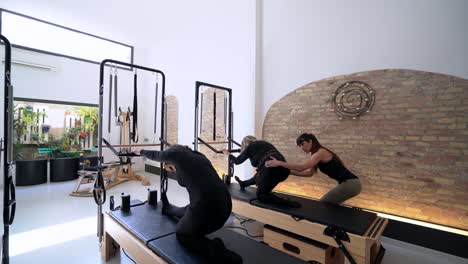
{"x":335,"y":170}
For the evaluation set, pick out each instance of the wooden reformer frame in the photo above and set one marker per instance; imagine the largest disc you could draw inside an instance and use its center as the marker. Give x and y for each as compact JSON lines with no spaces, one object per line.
{"x":363,"y":249}
{"x":114,"y":232}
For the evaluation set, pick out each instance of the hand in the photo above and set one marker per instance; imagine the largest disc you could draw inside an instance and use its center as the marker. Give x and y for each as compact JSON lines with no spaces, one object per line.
{"x":272,"y":163}
{"x":169,"y":168}
{"x":226,"y":152}
{"x":136,"y":151}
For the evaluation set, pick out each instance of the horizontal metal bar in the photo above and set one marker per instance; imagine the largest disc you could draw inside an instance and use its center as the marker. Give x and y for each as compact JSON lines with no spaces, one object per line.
{"x":210,"y":147}
{"x":133,"y":145}
{"x":29,"y":64}
{"x":198,"y":84}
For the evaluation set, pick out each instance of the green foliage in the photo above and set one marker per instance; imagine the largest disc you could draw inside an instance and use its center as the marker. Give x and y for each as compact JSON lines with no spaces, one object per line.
{"x":90,"y":118}
{"x":72,"y":133}
{"x":18,"y":151}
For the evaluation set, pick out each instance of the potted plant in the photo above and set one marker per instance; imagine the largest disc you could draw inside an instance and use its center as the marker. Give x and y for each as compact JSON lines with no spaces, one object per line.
{"x":28,"y":171}
{"x":64,"y":164}
{"x":89,"y":115}
{"x":45,"y":128}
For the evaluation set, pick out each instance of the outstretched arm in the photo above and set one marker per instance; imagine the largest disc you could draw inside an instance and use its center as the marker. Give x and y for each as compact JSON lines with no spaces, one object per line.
{"x":239,"y":159}
{"x":306,"y":173}
{"x":163,"y":156}
{"x":299,"y":167}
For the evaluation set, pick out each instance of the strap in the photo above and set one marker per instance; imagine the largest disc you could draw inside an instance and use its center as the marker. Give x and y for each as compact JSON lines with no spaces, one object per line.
{"x":134,"y":134}
{"x":110,"y":103}
{"x":115,"y":94}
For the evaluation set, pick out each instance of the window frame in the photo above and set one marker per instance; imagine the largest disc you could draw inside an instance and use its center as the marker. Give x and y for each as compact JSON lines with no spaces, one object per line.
{"x":66,"y":28}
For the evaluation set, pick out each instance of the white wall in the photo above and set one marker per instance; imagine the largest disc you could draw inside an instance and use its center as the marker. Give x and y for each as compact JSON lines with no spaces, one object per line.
{"x":308,"y":40}
{"x":211,"y":41}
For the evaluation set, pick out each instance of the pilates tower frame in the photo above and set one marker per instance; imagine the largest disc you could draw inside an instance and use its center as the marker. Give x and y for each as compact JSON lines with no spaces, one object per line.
{"x":99,"y":191}
{"x":230,"y":130}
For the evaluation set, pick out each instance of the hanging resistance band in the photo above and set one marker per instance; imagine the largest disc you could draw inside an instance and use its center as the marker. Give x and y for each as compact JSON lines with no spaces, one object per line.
{"x":156,"y":105}
{"x":115,"y":94}
{"x":134,"y":134}
{"x":110,"y":101}
{"x":127,"y":121}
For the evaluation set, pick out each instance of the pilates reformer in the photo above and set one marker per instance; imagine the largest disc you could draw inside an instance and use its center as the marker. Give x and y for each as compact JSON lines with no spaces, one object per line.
{"x":296,"y":231}
{"x":315,"y":232}
{"x":99,"y":190}
{"x":155,"y":241}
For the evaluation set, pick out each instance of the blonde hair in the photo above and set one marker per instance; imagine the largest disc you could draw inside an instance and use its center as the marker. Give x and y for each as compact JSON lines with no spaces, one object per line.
{"x":246,"y":142}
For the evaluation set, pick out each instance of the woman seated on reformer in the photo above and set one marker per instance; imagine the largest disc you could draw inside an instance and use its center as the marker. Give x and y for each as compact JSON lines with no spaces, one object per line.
{"x":210,"y":202}
{"x":328,"y":162}
{"x":266,"y":179}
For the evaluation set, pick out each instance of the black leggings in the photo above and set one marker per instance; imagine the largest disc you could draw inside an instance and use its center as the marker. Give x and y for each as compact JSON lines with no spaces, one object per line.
{"x":192,"y":227}
{"x":266,"y":180}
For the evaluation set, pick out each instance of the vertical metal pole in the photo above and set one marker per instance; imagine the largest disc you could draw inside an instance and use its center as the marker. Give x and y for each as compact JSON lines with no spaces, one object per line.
{"x":230,"y":138}
{"x":98,"y":188}
{"x":164,"y":183}
{"x":201,"y":112}
{"x":214,"y":116}
{"x":231,"y":122}
{"x":195,"y":134}
{"x":9,"y":189}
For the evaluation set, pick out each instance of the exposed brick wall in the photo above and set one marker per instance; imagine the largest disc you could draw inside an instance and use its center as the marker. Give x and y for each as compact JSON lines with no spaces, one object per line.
{"x":206,"y":118}
{"x":172,"y":119}
{"x":409,"y":151}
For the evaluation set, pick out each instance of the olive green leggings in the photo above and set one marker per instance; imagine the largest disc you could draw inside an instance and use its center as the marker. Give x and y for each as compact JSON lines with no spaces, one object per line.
{"x":343,"y":191}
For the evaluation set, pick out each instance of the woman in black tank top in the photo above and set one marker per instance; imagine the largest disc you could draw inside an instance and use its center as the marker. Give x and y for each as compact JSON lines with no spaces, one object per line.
{"x":328,"y":163}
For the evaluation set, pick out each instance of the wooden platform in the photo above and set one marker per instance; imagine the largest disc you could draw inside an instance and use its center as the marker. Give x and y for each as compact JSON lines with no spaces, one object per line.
{"x":363,"y":249}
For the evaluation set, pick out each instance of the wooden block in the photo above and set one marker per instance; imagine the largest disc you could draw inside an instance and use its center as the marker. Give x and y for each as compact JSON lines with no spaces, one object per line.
{"x":301,"y":247}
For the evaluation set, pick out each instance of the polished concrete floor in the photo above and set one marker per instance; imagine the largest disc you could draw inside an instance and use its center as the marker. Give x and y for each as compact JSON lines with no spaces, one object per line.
{"x":53,"y":227}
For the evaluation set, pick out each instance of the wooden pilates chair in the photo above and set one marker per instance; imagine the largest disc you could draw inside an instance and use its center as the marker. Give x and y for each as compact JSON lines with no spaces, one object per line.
{"x":114,"y":173}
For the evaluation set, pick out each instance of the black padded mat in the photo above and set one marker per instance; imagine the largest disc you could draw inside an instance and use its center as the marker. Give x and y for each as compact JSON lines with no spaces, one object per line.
{"x":252,"y":252}
{"x":246,"y":195}
{"x":145,"y":222}
{"x":351,"y":220}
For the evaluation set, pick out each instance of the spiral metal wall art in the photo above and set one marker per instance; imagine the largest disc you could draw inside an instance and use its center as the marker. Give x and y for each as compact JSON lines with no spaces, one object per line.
{"x":353,"y":99}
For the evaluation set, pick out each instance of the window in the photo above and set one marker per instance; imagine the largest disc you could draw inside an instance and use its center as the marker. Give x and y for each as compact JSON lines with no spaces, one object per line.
{"x":30,"y":33}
